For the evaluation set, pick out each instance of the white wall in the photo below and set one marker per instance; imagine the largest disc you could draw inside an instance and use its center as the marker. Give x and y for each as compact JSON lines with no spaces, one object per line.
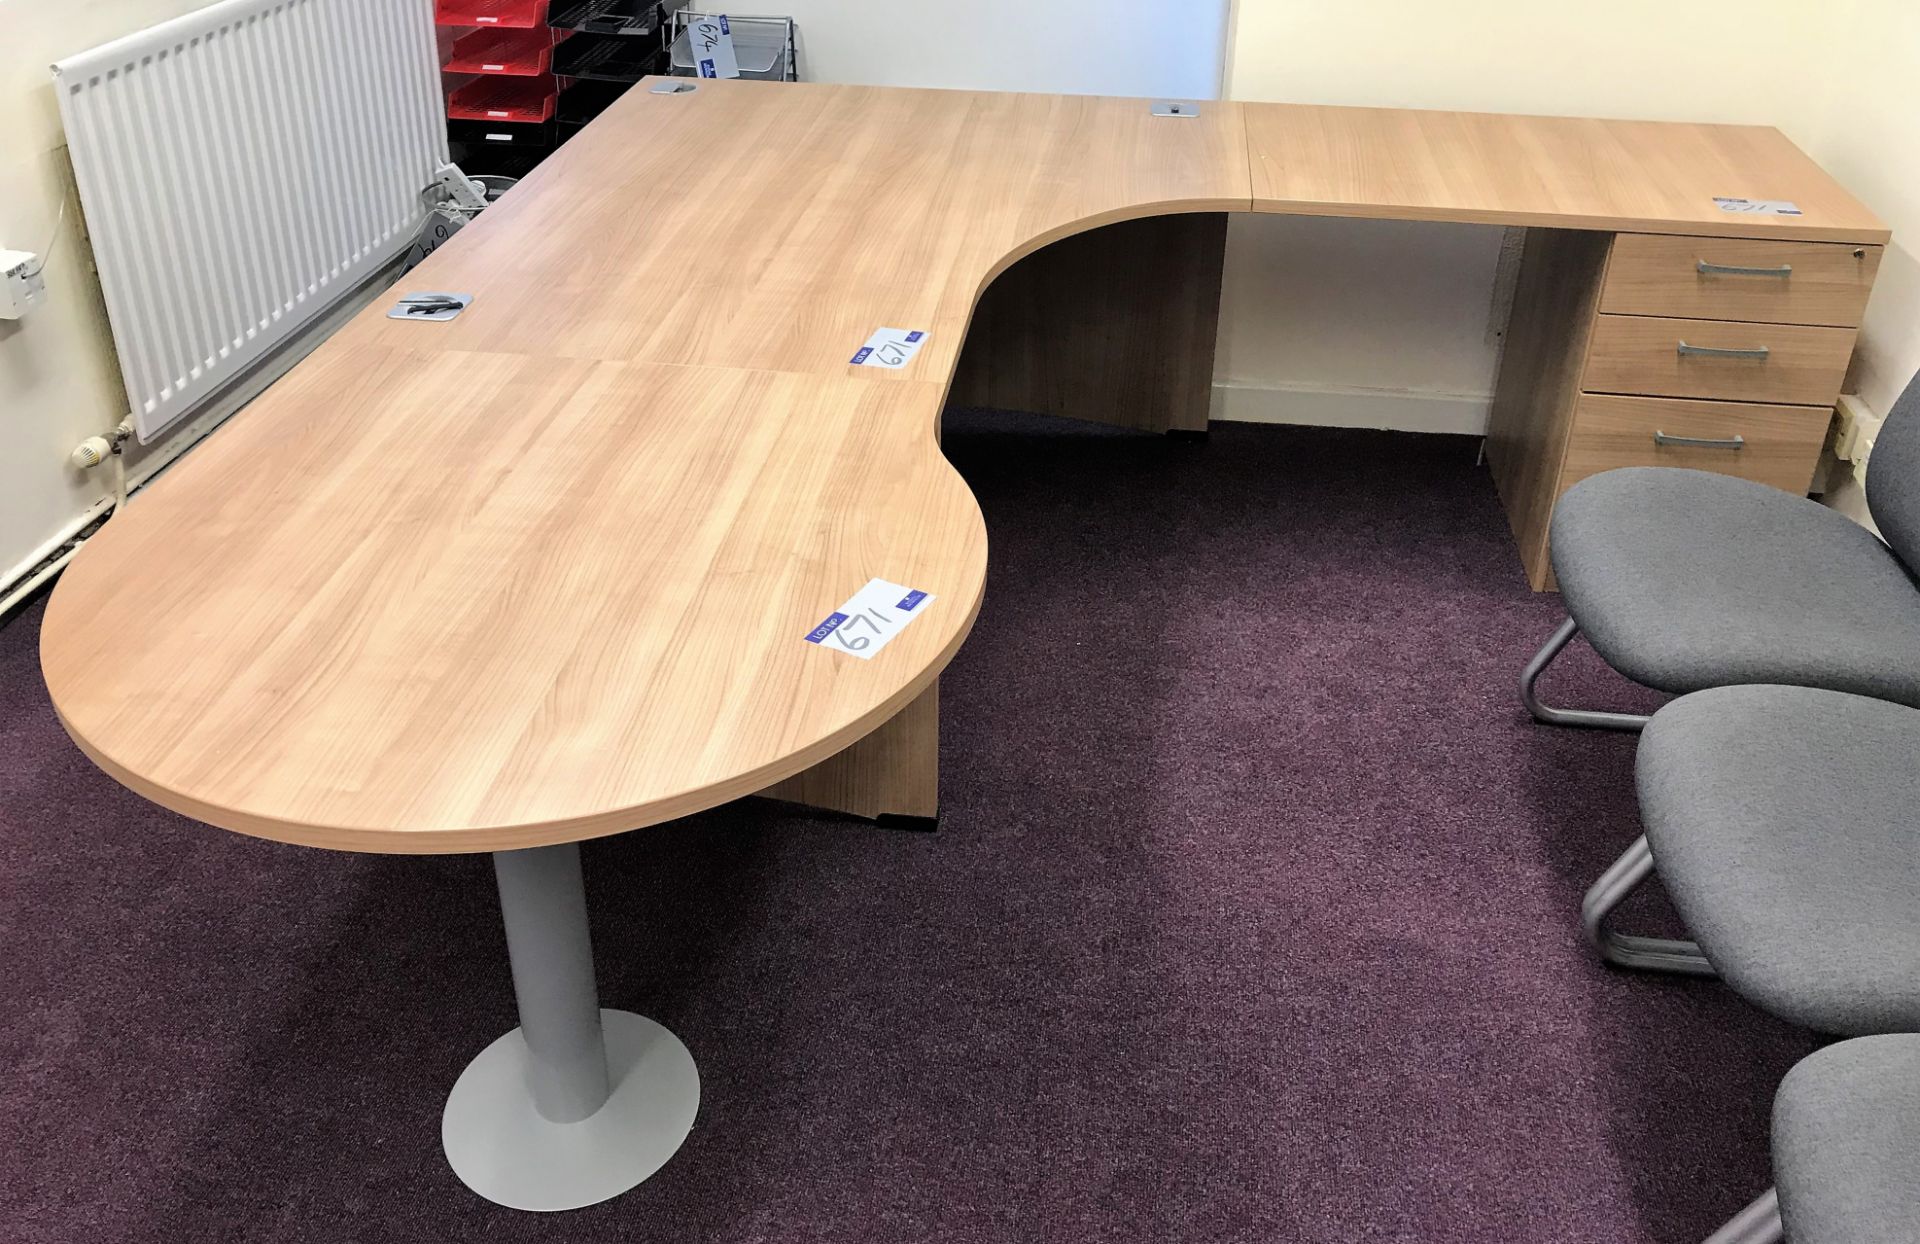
{"x":1329,"y":321}
{"x":59,"y":383}
{"x":1083,"y":47}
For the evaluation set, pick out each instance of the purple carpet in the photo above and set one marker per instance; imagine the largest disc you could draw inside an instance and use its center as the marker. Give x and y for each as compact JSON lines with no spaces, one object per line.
{"x":1252,"y":916}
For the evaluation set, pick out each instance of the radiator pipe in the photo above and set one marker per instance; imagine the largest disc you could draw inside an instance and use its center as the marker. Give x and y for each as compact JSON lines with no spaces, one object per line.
{"x":33,"y":582}
{"x":86,"y":455}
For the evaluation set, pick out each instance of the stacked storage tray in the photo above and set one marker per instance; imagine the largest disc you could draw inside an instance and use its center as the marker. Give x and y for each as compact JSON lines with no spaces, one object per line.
{"x":526,"y":101}
{"x":607,"y":58}
{"x":626,"y":18}
{"x":503,"y":50}
{"x":483,"y":147}
{"x":512,"y":14}
{"x":501,"y":125}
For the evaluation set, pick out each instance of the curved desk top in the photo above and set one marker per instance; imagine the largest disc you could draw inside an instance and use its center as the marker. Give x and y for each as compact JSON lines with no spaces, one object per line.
{"x":543,"y":573}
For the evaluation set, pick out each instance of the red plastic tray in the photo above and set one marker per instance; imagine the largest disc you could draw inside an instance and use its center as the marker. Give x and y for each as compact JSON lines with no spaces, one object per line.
{"x":517,"y":53}
{"x":503,"y":99}
{"x":513,"y":14}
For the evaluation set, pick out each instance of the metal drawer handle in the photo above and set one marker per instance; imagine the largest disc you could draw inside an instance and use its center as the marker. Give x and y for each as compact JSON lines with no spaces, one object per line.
{"x":1700,"y":442}
{"x":1728,"y":269}
{"x":1721,"y":352}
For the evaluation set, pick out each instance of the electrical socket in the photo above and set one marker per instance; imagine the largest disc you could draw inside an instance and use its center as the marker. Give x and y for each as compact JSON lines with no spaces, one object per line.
{"x":1859,"y":428}
{"x":22,"y":287}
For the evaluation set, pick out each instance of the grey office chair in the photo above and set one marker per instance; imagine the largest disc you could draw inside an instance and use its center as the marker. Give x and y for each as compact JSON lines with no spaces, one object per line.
{"x":1846,"y":1150}
{"x":1783,"y":822}
{"x":1683,"y":580}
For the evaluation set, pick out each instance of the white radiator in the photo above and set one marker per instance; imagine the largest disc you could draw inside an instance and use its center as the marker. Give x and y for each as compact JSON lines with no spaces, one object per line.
{"x":241,"y":168}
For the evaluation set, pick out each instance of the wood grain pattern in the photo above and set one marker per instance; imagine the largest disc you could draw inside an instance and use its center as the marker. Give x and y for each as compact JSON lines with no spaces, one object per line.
{"x":895,"y":771}
{"x":1634,"y":354}
{"x":1557,"y":172}
{"x":542,"y":573}
{"x":1116,"y":326}
{"x":452,"y":602}
{"x":777,"y":225}
{"x":1561,"y":273}
{"x":1782,"y":443}
{"x":1823,"y":282}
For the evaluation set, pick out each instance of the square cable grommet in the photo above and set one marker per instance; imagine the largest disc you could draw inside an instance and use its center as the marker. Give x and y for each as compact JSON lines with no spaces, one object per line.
{"x":430,"y":307}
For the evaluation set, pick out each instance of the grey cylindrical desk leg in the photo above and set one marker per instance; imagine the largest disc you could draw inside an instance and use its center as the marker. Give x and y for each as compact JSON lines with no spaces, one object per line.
{"x":577,"y":1104}
{"x":544,"y":903}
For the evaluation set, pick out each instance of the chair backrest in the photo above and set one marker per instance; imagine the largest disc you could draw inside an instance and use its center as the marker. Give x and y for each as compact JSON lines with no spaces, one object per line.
{"x":1893,"y":477}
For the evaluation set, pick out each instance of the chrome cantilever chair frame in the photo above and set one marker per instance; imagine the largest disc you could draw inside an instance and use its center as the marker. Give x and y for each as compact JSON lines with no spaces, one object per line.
{"x":1758,"y":1223}
{"x":1591,"y":718}
{"x":1648,"y":954}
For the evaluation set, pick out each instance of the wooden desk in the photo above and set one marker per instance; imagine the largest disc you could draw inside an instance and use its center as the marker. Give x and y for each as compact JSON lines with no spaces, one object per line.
{"x":1628,"y":256}
{"x":543,"y":573}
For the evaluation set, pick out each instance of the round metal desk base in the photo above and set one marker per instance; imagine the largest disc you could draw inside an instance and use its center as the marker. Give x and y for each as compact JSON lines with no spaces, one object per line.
{"x":501,"y":1147}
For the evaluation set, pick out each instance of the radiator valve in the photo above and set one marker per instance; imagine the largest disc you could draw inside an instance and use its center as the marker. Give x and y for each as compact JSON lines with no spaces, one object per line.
{"x":97,"y":449}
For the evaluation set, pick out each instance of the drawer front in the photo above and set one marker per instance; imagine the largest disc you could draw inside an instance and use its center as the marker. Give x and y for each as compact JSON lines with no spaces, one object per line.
{"x":1739,"y":279}
{"x":1776,"y":445}
{"x":1787,"y":364}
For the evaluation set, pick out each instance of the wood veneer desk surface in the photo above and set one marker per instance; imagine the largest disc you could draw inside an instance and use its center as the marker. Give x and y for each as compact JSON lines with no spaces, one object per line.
{"x":1552,"y":172}
{"x":542,"y":573}
{"x":775,"y":226}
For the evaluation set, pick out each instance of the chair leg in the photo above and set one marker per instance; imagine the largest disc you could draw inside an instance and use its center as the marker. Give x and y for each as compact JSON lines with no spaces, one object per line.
{"x":1567,"y":716}
{"x":1758,"y":1223}
{"x":1650,"y":954}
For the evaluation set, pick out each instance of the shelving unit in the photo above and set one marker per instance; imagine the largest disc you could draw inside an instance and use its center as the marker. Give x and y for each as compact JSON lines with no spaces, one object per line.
{"x":609,"y":58}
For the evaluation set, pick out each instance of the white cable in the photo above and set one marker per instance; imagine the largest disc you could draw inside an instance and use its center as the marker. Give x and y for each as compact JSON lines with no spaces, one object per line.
{"x":46,"y":252}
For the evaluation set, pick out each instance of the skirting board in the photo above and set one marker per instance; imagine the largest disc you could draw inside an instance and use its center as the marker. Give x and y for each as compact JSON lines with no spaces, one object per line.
{"x":1395,"y":410}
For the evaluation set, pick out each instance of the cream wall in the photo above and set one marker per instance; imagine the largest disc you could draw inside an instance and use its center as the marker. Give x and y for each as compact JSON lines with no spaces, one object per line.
{"x":1867,"y":134}
{"x":59,"y":383}
{"x":1086,"y":47}
{"x":1345,"y":322}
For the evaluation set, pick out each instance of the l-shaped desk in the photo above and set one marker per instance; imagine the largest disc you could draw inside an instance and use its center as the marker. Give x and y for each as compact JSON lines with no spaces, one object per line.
{"x":549,"y":571}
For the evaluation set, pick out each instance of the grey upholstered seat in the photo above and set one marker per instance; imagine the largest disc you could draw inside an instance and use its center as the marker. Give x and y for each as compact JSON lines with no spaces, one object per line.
{"x":1785,"y":822}
{"x":1846,"y":1143}
{"x":1683,"y":580}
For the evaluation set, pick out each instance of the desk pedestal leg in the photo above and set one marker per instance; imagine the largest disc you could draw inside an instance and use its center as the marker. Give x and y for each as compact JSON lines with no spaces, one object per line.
{"x":892,"y":775}
{"x":577,"y":1104}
